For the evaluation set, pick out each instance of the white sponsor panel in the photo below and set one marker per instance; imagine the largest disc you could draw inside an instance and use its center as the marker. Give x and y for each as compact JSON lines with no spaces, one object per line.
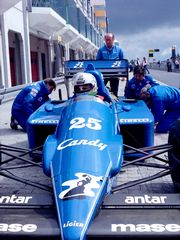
{"x":83,"y":185}
{"x":81,"y":122}
{"x":45,"y":121}
{"x":34,"y":92}
{"x":141,"y":227}
{"x":15,"y":199}
{"x":145,"y":199}
{"x":73,"y":224}
{"x":75,"y":142}
{"x":116,"y":64}
{"x":79,"y":65}
{"x":16,"y":227}
{"x":134,"y":120}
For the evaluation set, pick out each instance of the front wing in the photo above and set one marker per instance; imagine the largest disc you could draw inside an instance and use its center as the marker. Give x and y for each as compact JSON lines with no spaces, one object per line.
{"x":116,"y":219}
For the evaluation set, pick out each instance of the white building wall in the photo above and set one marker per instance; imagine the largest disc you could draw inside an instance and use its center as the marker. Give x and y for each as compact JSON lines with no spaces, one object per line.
{"x":12,"y":20}
{"x":2,"y":78}
{"x":17,"y":20}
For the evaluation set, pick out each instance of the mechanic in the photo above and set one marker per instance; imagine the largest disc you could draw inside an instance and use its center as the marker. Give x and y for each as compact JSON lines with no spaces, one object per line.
{"x":164,"y":103}
{"x":135,"y":84}
{"x":28,"y":100}
{"x":110,"y":52}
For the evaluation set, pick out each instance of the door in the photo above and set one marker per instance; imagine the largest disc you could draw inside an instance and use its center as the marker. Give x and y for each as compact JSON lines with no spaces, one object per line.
{"x":34,"y":66}
{"x":12,"y":66}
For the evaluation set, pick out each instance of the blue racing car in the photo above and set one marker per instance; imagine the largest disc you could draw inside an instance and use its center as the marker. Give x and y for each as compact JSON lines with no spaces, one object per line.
{"x":86,"y":141}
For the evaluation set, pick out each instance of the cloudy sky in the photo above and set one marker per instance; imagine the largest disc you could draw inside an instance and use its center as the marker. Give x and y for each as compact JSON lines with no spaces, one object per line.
{"x":140,"y":25}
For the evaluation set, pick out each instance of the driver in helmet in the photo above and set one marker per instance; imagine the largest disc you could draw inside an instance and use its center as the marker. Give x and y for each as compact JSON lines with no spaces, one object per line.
{"x":84,"y":83}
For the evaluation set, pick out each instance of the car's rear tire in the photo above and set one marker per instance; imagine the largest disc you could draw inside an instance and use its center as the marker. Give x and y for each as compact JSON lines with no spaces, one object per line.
{"x":174,"y":154}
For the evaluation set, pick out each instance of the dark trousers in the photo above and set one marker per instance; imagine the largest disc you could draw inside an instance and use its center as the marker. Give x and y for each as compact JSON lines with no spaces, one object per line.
{"x":114,"y":84}
{"x":146,"y":70}
{"x":21,"y":117}
{"x":167,"y":120}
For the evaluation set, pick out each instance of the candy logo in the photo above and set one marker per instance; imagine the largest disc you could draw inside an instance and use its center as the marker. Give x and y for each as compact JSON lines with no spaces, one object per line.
{"x":74,"y":142}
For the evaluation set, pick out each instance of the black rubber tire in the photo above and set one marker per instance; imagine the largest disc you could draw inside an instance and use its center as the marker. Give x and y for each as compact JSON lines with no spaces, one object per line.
{"x":174,"y":154}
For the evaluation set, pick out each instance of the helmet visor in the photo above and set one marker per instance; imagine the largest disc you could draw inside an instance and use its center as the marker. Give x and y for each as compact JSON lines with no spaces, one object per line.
{"x":83,"y":88}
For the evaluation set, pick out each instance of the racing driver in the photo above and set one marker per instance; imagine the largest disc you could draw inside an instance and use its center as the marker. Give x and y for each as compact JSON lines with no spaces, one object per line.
{"x":87,"y":84}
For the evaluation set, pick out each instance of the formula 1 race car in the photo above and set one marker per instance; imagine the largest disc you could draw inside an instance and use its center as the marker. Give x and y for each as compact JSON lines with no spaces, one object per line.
{"x":86,"y":143}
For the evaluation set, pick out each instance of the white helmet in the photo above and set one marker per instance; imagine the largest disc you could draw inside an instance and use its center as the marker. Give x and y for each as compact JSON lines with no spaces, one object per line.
{"x":84,"y":83}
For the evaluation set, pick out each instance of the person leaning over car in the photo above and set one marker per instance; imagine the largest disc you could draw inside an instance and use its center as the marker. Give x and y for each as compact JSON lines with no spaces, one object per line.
{"x":110,"y":52}
{"x":135,"y":84}
{"x":28,"y":100}
{"x":164,"y":103}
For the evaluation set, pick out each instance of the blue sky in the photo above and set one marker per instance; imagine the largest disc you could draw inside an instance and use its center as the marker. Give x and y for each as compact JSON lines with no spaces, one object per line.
{"x":140,"y":25}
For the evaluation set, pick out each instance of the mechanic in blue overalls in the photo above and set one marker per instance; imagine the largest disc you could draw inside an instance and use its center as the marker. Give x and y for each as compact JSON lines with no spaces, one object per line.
{"x":164,"y":103}
{"x":110,"y":52}
{"x":139,"y":80}
{"x":28,"y":100}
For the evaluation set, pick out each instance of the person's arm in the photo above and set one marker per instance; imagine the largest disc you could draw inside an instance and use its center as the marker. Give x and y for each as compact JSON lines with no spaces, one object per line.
{"x":99,"y":55}
{"x":127,"y":90}
{"x":121,"y":54}
{"x":152,"y":81}
{"x":157,"y":109}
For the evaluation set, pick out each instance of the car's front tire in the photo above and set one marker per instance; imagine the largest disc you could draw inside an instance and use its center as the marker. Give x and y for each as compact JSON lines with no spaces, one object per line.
{"x":174,"y":154}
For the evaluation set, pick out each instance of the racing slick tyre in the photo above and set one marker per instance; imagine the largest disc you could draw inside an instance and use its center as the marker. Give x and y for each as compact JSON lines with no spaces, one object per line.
{"x":174,"y":154}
